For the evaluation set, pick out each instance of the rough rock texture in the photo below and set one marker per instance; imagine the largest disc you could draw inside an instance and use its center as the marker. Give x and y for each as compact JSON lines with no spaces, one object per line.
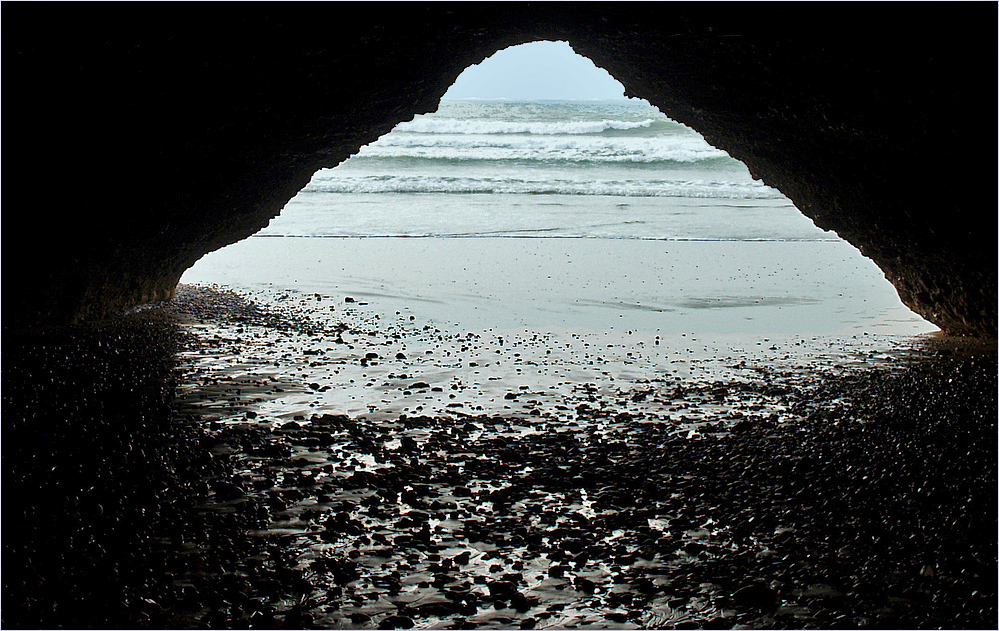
{"x":141,"y":137}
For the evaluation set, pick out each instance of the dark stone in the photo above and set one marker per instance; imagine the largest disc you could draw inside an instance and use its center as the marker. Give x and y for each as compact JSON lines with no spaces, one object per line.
{"x":519,"y":602}
{"x":584,"y":585}
{"x":330,"y":419}
{"x":755,"y":596}
{"x":870,"y":123}
{"x":501,"y":589}
{"x":396,"y":622}
{"x":226,"y":490}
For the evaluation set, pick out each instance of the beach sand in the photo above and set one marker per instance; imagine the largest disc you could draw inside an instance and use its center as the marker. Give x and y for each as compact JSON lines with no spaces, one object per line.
{"x":652,"y":286}
{"x":268,"y":465}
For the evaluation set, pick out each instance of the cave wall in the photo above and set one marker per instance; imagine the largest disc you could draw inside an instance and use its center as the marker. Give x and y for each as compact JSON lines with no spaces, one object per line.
{"x":140,"y":137}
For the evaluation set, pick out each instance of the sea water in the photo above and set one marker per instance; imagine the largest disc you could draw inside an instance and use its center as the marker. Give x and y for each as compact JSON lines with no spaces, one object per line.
{"x":572,"y":214}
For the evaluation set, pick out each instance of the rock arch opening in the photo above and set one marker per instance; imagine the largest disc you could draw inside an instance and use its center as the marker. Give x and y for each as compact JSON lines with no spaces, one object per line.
{"x":541,"y":478}
{"x":537,"y":143}
{"x":843,"y":128}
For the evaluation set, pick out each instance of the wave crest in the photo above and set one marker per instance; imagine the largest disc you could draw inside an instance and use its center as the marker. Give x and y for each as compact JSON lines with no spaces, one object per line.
{"x":484,"y":127}
{"x":548,"y":149}
{"x":499,"y":185}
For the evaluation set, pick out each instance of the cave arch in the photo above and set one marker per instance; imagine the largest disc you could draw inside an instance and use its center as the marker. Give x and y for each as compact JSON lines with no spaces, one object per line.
{"x":432,"y":161}
{"x":209,"y":126}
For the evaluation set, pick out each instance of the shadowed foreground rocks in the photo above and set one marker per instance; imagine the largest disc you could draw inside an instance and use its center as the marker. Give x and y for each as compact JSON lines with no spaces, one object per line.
{"x":101,"y":482}
{"x":859,"y":499}
{"x":145,"y":136}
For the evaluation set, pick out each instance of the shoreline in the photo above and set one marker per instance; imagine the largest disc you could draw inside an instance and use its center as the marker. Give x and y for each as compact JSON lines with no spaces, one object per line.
{"x":360,"y":360}
{"x":639,"y":285}
{"x":594,"y":495}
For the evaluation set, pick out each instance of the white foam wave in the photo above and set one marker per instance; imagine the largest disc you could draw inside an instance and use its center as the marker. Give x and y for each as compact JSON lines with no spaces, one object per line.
{"x":428,"y":125}
{"x":544,"y":149}
{"x":500,"y":185}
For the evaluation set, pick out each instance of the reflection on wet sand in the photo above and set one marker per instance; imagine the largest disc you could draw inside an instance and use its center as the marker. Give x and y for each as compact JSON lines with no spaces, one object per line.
{"x":564,"y":479}
{"x":216,"y":462}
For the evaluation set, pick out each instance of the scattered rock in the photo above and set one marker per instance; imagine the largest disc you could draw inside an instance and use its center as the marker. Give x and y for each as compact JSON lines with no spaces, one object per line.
{"x":756,"y":596}
{"x":396,"y":622}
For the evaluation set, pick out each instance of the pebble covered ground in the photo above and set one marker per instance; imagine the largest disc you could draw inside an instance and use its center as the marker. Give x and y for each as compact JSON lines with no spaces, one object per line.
{"x":219,"y":463}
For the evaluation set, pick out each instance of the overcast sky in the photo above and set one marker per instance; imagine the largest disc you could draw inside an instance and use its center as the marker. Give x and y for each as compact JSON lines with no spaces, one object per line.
{"x":539,"y":70}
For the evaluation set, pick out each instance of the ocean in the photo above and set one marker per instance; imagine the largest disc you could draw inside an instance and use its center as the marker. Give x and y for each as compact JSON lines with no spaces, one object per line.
{"x":572,"y":214}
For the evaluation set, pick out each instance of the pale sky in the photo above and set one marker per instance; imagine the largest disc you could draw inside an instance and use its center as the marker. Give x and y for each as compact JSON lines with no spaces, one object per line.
{"x":539,"y":70}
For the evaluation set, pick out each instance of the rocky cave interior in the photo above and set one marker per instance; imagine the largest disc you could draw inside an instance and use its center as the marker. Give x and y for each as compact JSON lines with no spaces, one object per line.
{"x":141,"y":148}
{"x":141,"y":137}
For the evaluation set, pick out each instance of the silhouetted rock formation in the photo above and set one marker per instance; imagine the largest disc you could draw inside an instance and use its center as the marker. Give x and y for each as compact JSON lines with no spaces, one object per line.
{"x":141,"y":137}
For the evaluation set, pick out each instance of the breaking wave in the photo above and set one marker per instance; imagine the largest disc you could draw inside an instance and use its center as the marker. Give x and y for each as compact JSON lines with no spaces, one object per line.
{"x":341,"y":183}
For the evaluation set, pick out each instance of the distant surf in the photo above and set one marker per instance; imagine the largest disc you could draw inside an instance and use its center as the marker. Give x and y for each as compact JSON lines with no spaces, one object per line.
{"x":496,"y":168}
{"x":616,"y":148}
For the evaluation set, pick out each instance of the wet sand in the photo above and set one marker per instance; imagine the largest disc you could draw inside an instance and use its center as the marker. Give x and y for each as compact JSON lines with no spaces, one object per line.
{"x":273,"y":466}
{"x":756,"y":287}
